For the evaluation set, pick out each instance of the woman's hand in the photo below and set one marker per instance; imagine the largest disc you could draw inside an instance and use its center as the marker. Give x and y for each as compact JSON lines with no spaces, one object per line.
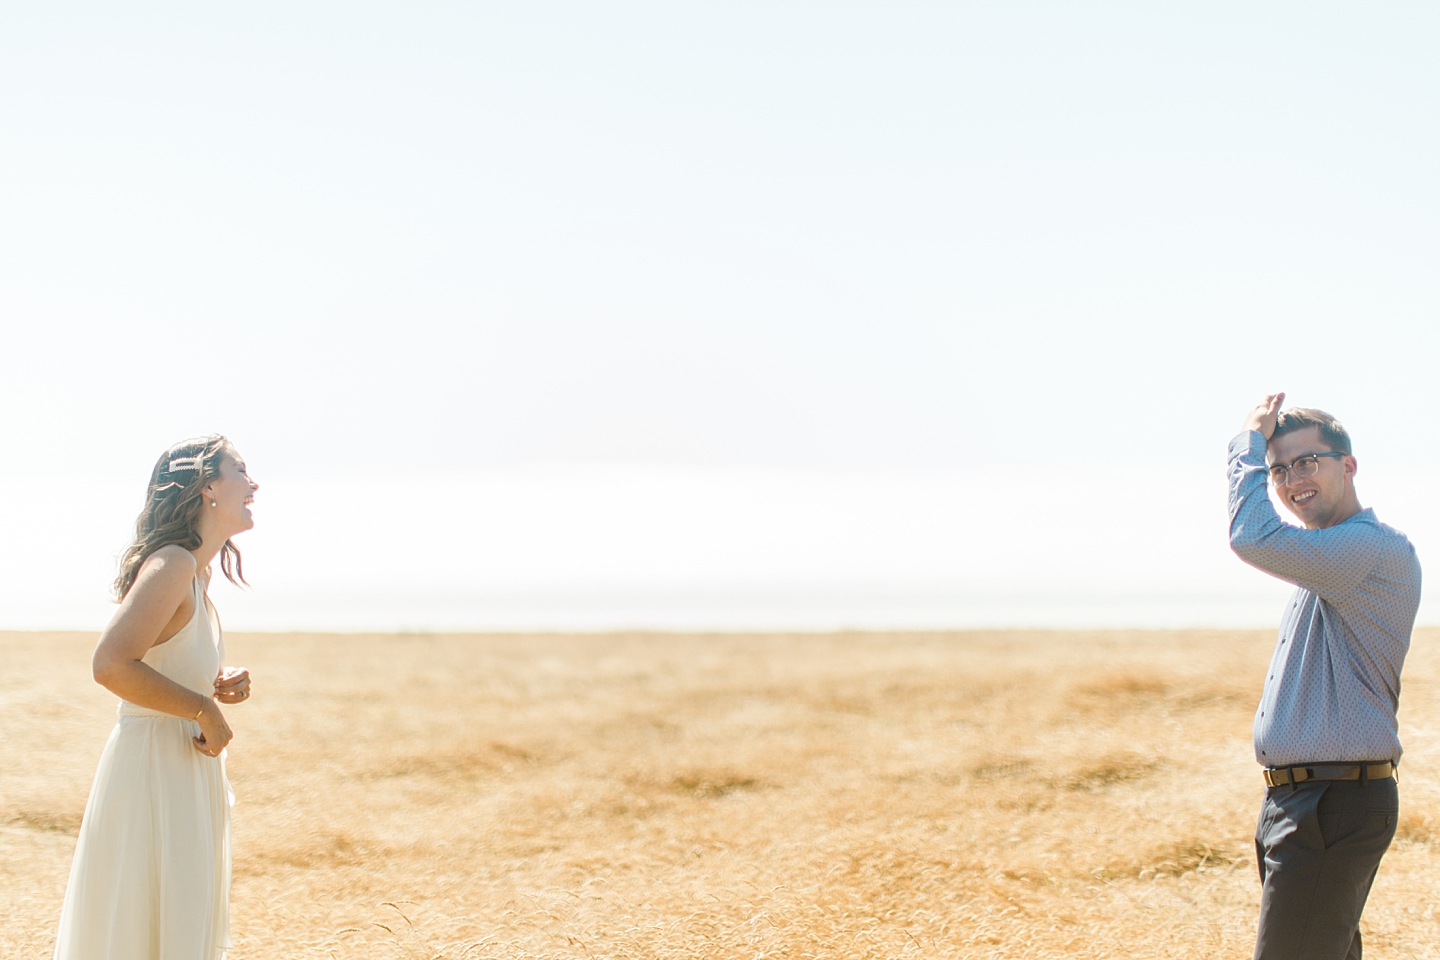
{"x":214,"y":731}
{"x":233,"y":685}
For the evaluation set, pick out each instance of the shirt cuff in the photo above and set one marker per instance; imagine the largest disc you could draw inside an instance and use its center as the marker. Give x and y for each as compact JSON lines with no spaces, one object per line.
{"x":1250,"y":442}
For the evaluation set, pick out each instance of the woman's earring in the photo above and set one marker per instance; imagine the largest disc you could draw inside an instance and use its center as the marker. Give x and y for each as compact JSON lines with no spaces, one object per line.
{"x":214,"y":503}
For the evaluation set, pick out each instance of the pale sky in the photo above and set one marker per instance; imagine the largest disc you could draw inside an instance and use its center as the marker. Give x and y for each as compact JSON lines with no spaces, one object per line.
{"x":728,"y":314}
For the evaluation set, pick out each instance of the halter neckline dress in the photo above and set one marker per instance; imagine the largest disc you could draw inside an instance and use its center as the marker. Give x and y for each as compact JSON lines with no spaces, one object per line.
{"x":151,"y":876}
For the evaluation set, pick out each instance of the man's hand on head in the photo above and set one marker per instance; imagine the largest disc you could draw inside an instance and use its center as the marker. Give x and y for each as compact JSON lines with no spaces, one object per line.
{"x":1262,"y":418}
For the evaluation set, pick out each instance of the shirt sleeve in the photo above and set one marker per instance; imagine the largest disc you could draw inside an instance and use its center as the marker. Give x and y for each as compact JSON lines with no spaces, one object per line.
{"x":1331,"y":563}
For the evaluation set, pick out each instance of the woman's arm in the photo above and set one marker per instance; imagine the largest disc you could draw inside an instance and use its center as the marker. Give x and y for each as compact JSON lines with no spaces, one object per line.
{"x":158,"y":594}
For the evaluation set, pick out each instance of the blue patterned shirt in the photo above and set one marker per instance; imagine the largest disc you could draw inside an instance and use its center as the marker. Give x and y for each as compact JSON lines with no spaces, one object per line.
{"x":1334,"y":683}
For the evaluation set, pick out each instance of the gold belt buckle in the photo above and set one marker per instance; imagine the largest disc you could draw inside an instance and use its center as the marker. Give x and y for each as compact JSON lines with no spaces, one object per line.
{"x":1286,"y":776}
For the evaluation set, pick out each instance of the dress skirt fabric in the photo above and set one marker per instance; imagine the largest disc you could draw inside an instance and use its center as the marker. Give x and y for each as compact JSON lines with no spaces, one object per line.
{"x":151,"y":877}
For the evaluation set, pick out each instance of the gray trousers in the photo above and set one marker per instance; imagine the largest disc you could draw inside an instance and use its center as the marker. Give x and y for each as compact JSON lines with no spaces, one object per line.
{"x":1319,"y":845}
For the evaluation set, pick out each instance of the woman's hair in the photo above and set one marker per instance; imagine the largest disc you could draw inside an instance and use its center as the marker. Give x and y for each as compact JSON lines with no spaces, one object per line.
{"x":172,"y":509}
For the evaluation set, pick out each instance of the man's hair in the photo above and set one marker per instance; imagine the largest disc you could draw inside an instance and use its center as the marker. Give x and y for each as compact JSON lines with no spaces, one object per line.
{"x":1299,"y":418}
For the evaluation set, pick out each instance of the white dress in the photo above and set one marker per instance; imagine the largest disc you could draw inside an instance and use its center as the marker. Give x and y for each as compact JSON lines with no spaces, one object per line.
{"x":151,"y":878}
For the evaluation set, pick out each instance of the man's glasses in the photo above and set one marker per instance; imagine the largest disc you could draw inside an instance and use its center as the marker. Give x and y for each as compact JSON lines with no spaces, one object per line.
{"x":1302,"y":467}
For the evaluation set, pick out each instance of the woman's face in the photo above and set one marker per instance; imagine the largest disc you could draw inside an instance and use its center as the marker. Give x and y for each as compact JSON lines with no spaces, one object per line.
{"x":231,"y":494}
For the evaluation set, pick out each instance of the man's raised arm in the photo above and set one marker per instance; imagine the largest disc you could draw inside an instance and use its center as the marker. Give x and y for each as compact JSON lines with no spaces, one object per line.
{"x":1329,"y":560}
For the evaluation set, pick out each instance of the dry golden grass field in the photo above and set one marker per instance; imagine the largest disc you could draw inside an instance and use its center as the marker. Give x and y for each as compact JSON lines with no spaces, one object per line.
{"x":985,"y":794}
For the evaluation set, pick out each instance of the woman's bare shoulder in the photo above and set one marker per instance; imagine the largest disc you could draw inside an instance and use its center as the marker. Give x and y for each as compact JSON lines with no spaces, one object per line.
{"x":169,"y":567}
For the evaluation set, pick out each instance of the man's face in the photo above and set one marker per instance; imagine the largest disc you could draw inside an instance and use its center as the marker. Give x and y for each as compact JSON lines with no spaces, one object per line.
{"x":1316,"y":500}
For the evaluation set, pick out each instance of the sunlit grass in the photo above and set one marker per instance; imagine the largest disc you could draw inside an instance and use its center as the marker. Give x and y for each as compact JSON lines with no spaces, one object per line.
{"x":1000,"y":794}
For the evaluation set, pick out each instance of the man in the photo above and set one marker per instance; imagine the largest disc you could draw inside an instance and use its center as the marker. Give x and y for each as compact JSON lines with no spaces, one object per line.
{"x":1325,"y":730}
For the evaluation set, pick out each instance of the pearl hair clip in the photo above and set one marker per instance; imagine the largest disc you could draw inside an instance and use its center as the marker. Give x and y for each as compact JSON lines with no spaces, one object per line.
{"x":187,"y":463}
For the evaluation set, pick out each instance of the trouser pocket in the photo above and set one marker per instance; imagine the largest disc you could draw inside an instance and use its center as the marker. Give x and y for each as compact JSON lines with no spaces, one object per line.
{"x":1351,"y":814}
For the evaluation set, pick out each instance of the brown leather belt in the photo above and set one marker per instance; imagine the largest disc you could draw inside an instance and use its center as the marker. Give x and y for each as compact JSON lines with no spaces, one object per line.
{"x":1289,"y":776}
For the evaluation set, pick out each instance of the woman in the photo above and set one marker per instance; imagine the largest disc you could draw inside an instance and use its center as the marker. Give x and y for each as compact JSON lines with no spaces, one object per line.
{"x":151,"y":878}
